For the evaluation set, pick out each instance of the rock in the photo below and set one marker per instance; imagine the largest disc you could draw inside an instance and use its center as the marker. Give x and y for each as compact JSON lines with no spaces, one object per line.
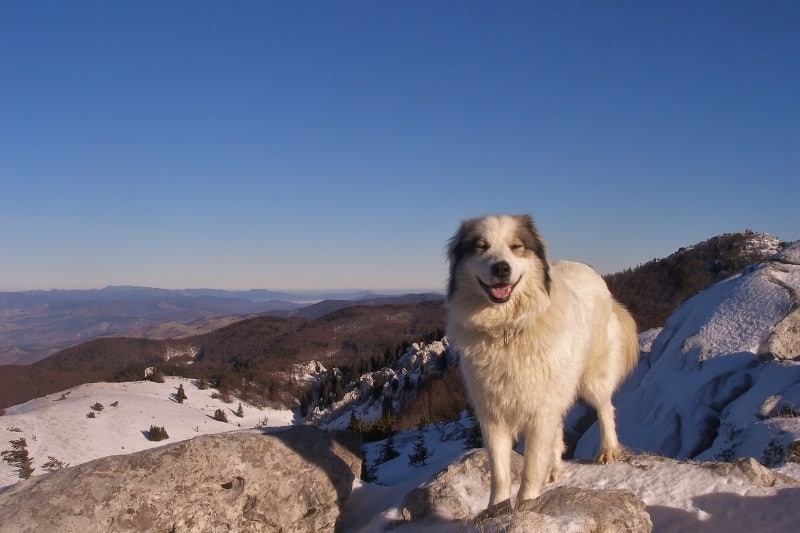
{"x":784,"y":341}
{"x":574,"y":509}
{"x":294,"y":480}
{"x":446,"y":497}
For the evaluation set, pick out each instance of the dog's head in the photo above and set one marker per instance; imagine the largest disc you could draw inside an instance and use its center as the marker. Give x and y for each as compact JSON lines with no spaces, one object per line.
{"x":497,"y":262}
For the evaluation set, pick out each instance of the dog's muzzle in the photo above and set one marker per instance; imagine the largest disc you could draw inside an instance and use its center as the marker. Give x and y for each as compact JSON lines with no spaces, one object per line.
{"x":499,"y":292}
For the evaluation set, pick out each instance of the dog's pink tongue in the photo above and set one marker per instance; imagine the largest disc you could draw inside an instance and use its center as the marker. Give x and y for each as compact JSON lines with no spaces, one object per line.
{"x":502,"y":292}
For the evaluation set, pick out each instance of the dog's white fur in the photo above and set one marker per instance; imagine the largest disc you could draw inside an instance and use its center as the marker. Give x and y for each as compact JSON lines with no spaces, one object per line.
{"x":524,"y":360}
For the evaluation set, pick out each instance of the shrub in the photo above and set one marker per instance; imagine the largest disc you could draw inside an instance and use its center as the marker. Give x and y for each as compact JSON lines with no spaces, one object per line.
{"x":794,"y":452}
{"x":157,"y":433}
{"x":98,"y":407}
{"x":90,"y":414}
{"x":156,"y":377}
{"x":220,"y":415}
{"x":240,"y":411}
{"x":54,"y":464}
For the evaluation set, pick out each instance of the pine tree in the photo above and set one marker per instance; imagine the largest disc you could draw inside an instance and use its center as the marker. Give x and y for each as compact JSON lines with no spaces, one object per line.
{"x":181,"y":394}
{"x":240,"y":411}
{"x":369,"y":472}
{"x":18,"y":457}
{"x":220,"y":415}
{"x":389,"y":450}
{"x":420,"y":455}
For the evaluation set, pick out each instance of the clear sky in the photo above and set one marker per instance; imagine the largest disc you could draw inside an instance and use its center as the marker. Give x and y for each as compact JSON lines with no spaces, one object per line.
{"x":337,"y":144}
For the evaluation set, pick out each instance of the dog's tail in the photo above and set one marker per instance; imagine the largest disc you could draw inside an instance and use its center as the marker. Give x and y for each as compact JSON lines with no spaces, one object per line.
{"x":630,"y":338}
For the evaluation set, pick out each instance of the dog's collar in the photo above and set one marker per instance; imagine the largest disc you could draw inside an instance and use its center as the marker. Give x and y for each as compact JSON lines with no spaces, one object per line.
{"x":508,"y":335}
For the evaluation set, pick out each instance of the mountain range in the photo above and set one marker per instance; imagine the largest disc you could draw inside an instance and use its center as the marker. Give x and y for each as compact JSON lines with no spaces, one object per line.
{"x":36,"y":324}
{"x":145,"y":327}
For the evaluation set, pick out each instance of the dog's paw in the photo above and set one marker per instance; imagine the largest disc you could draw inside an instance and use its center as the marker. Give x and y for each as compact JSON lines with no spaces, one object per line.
{"x":610,"y":455}
{"x":493,"y":511}
{"x":555,"y":472}
{"x":525,"y":505}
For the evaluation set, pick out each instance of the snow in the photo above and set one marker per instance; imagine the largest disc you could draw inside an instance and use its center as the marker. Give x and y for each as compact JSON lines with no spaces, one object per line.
{"x":700,"y":391}
{"x":57,"y":425}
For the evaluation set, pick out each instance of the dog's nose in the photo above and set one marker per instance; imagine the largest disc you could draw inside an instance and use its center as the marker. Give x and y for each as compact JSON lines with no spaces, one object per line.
{"x":501,"y":270}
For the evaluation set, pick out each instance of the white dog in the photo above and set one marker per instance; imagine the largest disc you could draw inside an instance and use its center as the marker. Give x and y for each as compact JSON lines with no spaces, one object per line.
{"x":532,"y":336}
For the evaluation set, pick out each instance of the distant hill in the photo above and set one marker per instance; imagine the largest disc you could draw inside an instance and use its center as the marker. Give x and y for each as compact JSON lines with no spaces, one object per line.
{"x":257,"y":350}
{"x":328,"y":306}
{"x":35,"y":324}
{"x":654,"y":290}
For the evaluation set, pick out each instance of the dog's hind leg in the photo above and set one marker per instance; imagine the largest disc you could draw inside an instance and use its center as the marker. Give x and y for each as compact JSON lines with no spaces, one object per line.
{"x":599,"y":397}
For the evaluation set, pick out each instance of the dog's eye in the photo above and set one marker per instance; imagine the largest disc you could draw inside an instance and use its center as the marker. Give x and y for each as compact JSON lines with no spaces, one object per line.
{"x":517,"y":247}
{"x":481,"y":245}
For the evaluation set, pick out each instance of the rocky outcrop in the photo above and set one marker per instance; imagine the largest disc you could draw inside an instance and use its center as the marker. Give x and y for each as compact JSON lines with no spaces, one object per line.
{"x":575,"y":503}
{"x":293,"y":480}
{"x":452,"y":495}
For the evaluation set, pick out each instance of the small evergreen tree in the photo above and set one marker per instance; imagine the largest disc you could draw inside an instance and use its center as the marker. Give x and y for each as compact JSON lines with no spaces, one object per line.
{"x":157,"y":433}
{"x":369,"y":471}
{"x":181,"y":394}
{"x":420,"y":455}
{"x":18,"y":457}
{"x":389,"y":450}
{"x":240,"y":411}
{"x":98,"y":407}
{"x":220,"y":415}
{"x":202,"y":384}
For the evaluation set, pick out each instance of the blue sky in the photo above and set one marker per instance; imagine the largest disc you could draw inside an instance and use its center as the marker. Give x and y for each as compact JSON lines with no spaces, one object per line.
{"x":338,"y":144}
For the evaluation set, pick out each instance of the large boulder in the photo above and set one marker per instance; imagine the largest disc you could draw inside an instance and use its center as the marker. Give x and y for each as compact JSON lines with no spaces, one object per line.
{"x":293,"y":480}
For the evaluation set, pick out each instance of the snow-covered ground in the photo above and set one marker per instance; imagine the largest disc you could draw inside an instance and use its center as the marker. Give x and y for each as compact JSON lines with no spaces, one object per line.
{"x":58,"y":426}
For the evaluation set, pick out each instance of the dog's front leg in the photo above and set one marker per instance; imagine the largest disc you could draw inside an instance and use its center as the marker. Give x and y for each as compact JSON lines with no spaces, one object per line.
{"x":498,"y":444}
{"x":539,"y":445}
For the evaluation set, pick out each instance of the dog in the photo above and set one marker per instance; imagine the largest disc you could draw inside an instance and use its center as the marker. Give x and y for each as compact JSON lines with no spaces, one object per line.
{"x":532,"y":336}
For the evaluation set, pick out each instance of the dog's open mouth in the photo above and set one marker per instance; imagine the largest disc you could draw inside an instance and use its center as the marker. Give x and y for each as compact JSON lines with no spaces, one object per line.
{"x":500,"y":292}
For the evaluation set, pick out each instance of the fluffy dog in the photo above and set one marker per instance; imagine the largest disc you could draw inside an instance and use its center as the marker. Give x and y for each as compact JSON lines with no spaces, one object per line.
{"x":532,"y":336}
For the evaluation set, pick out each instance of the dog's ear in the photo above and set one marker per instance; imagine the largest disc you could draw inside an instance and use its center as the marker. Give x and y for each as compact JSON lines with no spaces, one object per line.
{"x":457,"y":248}
{"x":533,"y":242}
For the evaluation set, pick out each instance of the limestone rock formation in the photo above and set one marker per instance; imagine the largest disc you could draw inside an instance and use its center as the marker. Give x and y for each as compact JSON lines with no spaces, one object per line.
{"x":293,"y":480}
